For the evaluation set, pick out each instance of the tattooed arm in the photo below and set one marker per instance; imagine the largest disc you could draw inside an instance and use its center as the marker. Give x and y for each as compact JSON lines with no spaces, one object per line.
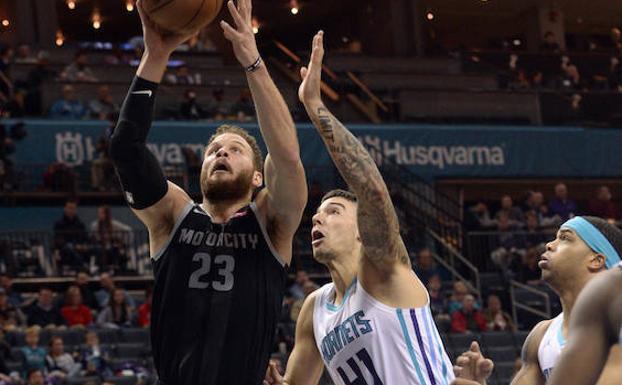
{"x":377,"y":220}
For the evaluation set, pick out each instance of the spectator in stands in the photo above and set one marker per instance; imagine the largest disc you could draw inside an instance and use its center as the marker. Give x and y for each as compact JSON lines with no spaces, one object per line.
{"x":426,"y":266}
{"x":244,"y":109}
{"x":297,"y":289}
{"x":11,"y":317}
{"x":480,"y":216}
{"x":16,"y":106}
{"x":190,"y":108}
{"x":602,"y":206}
{"x":68,"y":107}
{"x":44,"y":312}
{"x":438,"y":303}
{"x":14,"y":296}
{"x":309,"y":287}
{"x":535,"y":203}
{"x":144,"y":310}
{"x":468,"y":319}
{"x":107,"y":288}
{"x":35,"y":377}
{"x":102,"y":169}
{"x":36,"y":78}
{"x":118,"y":313}
{"x":538,"y":81}
{"x":5,"y":354}
{"x":218,"y":108}
{"x":506,"y":245}
{"x":70,"y":238}
{"x":457,"y":297}
{"x":60,"y":364}
{"x":33,"y":356}
{"x":182,"y":76}
{"x":527,"y":271}
{"x":561,"y":205}
{"x":550,"y":43}
{"x":533,"y":235}
{"x":79,"y":70}
{"x":496,"y":319}
{"x":88,"y":296}
{"x":615,"y":74}
{"x":76,"y":314}
{"x":111,"y":239}
{"x":616,"y":40}
{"x":95,"y":358}
{"x":571,"y":77}
{"x":24,"y":55}
{"x":514,"y":213}
{"x":6,"y":84}
{"x":104,"y":107}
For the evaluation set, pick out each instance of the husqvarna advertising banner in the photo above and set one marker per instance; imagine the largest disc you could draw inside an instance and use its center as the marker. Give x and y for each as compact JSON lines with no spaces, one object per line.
{"x":429,"y":150}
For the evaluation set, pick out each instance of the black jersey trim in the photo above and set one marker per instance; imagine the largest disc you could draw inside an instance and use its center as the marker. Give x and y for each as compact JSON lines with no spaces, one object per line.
{"x":178,"y":221}
{"x":262,"y":226}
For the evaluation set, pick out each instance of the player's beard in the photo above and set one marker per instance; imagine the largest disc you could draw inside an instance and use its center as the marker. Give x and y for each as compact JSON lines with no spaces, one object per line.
{"x":230,"y":190}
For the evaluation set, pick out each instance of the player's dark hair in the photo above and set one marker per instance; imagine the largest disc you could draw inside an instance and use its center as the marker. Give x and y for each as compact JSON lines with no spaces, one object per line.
{"x":231,"y":129}
{"x":609,"y":231}
{"x":347,"y":195}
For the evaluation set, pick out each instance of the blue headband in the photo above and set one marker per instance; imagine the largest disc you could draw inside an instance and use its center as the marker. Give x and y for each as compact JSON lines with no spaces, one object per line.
{"x":594,"y":239}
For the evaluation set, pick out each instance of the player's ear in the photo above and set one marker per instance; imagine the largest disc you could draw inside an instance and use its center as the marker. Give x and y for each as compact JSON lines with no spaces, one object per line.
{"x":257,"y":179}
{"x":597,"y":263}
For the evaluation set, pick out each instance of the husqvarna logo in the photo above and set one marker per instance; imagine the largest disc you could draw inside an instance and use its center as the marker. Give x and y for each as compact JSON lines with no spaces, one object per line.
{"x":70,"y":148}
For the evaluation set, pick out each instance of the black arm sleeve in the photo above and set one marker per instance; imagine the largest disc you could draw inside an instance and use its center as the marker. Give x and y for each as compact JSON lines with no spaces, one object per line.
{"x":140,"y":174}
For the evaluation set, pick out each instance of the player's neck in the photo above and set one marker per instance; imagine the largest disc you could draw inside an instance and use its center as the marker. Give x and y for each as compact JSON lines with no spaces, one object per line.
{"x":342,"y":272}
{"x":222,"y":211}
{"x":568,"y":296}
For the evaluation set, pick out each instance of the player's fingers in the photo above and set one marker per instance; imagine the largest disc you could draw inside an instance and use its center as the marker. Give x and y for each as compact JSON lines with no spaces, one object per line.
{"x":317,"y":54}
{"x":230,"y":33}
{"x":457,"y":370}
{"x":303,"y":72}
{"x":486,"y":366}
{"x":239,"y":22}
{"x":475,"y":347}
{"x":462,"y":361}
{"x":245,"y":7}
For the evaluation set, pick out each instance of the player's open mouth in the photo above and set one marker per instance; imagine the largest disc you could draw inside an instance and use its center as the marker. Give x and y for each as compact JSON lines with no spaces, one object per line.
{"x":316,"y":237}
{"x":544,"y":262}
{"x":220,"y":167}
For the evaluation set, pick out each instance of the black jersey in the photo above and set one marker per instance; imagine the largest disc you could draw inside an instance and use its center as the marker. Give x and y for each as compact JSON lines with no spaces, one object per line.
{"x":217,"y":297}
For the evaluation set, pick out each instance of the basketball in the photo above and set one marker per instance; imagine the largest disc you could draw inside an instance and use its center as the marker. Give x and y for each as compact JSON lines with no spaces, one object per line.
{"x":182,"y":16}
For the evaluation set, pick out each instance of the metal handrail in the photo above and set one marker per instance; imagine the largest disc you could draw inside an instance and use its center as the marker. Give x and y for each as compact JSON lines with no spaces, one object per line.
{"x":455,"y":255}
{"x":517,"y":305}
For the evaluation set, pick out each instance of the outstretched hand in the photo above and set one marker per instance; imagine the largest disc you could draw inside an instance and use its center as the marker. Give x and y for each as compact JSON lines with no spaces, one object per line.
{"x":242,"y":38}
{"x":157,"y":41}
{"x":310,"y":90}
{"x":473,"y":366}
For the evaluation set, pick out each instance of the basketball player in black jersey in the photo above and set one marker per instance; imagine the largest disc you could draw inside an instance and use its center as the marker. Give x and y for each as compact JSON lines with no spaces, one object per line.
{"x":220,"y":267}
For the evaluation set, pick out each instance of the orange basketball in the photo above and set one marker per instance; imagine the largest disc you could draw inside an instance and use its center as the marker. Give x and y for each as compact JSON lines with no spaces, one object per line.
{"x":182,"y":16}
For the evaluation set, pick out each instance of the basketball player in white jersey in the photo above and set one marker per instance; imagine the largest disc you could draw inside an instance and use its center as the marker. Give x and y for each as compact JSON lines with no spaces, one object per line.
{"x":595,"y":326}
{"x":372,"y":325}
{"x":583,"y":249}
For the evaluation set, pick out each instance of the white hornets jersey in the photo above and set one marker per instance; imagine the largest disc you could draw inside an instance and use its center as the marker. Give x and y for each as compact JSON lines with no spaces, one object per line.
{"x":365,"y":342}
{"x":551,"y":346}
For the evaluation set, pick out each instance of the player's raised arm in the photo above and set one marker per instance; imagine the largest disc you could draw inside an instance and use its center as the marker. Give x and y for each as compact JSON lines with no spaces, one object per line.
{"x":377,"y":220}
{"x":154,"y":200}
{"x":590,"y":335}
{"x":305,"y":365}
{"x":285,"y":195}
